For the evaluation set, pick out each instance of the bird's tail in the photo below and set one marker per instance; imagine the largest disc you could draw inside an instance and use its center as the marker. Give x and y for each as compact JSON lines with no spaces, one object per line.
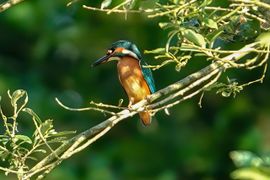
{"x":145,"y":117}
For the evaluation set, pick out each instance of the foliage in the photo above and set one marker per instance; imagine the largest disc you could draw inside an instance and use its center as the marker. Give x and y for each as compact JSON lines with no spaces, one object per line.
{"x":199,"y":28}
{"x":219,"y":37}
{"x":19,"y":150}
{"x":250,"y":166}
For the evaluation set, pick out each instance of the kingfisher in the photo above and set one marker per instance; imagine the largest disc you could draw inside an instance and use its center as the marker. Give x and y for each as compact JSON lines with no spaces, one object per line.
{"x":136,"y":79}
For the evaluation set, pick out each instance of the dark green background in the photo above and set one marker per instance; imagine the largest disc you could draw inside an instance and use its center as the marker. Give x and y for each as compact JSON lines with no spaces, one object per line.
{"x":46,"y":48}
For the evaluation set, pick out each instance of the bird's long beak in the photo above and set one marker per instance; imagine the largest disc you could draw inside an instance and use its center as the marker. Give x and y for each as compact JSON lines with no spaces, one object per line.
{"x":102,"y":60}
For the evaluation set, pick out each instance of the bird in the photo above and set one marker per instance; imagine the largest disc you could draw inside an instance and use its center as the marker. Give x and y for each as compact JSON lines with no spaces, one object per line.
{"x":136,"y":80}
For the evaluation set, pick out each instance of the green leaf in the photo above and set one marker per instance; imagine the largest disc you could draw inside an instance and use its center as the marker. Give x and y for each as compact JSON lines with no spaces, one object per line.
{"x":249,"y":173}
{"x":226,"y":93}
{"x":131,"y":4}
{"x":264,"y":39}
{"x":105,"y":4}
{"x":46,"y":126}
{"x":33,"y":114}
{"x":163,"y":25}
{"x":16,"y":95}
{"x":210,"y":23}
{"x":194,"y":37}
{"x":245,"y":158}
{"x":23,"y":138}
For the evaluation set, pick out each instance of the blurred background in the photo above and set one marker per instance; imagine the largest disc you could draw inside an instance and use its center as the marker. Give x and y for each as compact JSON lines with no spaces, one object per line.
{"x":47,"y":48}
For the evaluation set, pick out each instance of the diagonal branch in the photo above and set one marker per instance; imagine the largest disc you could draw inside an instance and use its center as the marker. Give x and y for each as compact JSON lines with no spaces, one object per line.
{"x":167,"y":97}
{"x":8,"y":4}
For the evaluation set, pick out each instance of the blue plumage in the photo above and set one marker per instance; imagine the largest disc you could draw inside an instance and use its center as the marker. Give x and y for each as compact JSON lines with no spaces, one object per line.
{"x":146,"y":71}
{"x":136,"y":79}
{"x":147,"y":74}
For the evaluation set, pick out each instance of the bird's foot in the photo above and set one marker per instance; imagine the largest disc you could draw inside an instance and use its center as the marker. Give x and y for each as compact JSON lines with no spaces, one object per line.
{"x":131,"y":101}
{"x":148,"y":99}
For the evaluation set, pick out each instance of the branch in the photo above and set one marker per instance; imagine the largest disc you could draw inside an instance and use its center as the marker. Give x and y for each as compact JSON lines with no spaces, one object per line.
{"x":7,"y":5}
{"x":108,"y":11}
{"x":254,"y":2}
{"x":185,"y":88}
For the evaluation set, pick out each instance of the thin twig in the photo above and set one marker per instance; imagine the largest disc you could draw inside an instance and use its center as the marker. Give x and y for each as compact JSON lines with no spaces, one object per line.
{"x":42,"y":137}
{"x":84,"y":109}
{"x":254,"y":2}
{"x":84,"y":139}
{"x":260,"y":80}
{"x":187,"y":96}
{"x":107,"y":105}
{"x":239,"y":12}
{"x":175,"y":9}
{"x":8,"y":170}
{"x":110,"y":10}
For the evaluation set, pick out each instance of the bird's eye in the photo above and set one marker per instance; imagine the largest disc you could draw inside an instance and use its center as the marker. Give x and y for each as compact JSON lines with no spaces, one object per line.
{"x":110,"y":51}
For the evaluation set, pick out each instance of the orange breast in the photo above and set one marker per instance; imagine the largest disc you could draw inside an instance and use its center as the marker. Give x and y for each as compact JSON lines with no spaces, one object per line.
{"x":131,"y":78}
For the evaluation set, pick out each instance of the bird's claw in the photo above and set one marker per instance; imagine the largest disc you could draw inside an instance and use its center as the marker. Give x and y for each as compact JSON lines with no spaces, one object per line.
{"x":148,"y":99}
{"x":130,"y":104}
{"x":130,"y":108}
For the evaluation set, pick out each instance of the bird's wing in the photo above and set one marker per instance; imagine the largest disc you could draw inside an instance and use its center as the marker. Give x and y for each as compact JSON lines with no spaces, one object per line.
{"x":147,"y":74}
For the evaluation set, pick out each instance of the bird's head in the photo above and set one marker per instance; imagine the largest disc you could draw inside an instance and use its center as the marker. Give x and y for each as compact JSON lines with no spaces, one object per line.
{"x":118,"y":50}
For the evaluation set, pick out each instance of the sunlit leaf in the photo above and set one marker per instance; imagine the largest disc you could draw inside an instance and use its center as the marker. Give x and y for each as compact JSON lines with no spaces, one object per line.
{"x":264,"y":39}
{"x":105,"y":4}
{"x":18,"y":94}
{"x":23,"y":138}
{"x":194,"y":37}
{"x":33,"y":114}
{"x":249,"y":173}
{"x":226,"y":93}
{"x":210,"y":23}
{"x":245,"y":158}
{"x":46,"y":126}
{"x":131,"y":4}
{"x":163,"y":24}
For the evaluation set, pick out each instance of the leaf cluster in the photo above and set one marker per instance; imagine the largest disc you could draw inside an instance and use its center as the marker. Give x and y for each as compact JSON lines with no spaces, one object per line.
{"x":18,"y":150}
{"x":250,"y":165}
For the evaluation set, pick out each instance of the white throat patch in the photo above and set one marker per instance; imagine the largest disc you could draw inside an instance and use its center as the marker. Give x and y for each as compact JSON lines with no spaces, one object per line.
{"x":130,"y":53}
